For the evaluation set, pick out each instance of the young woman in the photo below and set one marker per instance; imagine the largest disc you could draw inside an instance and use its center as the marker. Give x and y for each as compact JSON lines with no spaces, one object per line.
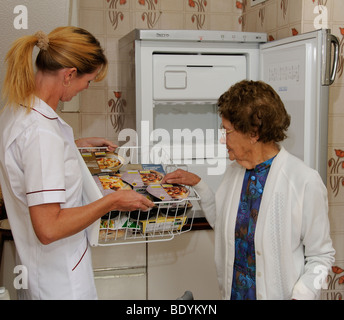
{"x":41,"y":171}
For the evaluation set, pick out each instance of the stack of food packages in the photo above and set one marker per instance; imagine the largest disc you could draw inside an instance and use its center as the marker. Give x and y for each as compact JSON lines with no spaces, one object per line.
{"x":111,"y":174}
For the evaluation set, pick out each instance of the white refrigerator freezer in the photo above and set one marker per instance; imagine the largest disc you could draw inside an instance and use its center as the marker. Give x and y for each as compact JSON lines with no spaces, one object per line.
{"x":173,"y":78}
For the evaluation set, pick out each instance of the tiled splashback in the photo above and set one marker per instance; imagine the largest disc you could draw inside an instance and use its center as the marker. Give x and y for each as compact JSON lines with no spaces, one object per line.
{"x":103,"y":109}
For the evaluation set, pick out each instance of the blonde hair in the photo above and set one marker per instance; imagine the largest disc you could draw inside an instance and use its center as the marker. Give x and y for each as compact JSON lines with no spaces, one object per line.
{"x":64,"y":47}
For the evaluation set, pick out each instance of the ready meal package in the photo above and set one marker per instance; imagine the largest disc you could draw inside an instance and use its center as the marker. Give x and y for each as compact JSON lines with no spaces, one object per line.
{"x":110,"y":183}
{"x":167,"y":194}
{"x":143,"y":175}
{"x":162,"y":223}
{"x":98,"y":160}
{"x":112,"y":228}
{"x":137,"y":177}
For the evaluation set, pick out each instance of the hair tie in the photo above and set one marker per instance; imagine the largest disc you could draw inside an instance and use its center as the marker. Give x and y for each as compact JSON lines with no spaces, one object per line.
{"x":43,"y":40}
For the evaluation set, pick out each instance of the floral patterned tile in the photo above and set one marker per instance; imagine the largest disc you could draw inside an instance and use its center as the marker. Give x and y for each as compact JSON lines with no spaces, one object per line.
{"x":335,"y":282}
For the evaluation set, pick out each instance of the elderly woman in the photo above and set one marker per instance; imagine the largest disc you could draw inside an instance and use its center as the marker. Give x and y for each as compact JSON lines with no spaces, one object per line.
{"x":270,"y":211}
{"x":42,"y":175}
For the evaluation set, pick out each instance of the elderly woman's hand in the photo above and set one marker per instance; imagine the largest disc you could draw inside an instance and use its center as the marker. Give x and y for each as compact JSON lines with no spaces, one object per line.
{"x":95,"y":142}
{"x":181,"y":177}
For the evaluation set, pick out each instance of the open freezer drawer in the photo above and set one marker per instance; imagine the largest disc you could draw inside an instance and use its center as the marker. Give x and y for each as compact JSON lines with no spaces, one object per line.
{"x":161,"y":223}
{"x":168,"y":218}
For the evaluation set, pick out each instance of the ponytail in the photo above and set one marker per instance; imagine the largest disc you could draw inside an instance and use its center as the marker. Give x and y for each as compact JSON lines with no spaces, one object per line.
{"x":64,"y":47}
{"x":19,"y":83}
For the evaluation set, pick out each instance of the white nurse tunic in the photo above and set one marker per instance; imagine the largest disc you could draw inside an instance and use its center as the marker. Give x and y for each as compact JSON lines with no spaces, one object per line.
{"x":39,"y":164}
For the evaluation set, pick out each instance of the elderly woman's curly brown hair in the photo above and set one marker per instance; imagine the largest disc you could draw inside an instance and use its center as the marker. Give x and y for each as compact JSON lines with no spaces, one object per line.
{"x":254,"y":107}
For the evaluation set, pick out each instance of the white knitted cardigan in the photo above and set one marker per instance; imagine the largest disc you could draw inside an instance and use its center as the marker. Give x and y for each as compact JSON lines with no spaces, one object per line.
{"x":292,"y":241}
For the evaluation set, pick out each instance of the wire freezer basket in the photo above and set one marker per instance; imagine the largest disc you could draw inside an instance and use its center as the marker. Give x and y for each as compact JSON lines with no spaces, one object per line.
{"x":161,"y":223}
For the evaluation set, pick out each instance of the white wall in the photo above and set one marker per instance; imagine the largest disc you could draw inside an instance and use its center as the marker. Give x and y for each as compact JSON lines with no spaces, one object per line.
{"x":43,"y":15}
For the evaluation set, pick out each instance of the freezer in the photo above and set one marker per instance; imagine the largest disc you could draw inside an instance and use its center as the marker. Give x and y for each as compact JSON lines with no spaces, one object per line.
{"x":178,"y":75}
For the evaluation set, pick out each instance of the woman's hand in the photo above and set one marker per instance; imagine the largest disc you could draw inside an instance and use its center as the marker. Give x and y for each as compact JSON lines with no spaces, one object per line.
{"x":181,"y":177}
{"x":130,"y":200}
{"x":95,"y":142}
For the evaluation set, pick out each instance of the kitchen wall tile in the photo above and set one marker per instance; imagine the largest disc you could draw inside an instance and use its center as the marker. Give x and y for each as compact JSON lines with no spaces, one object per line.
{"x":118,"y":23}
{"x":92,"y":4}
{"x":172,"y":20}
{"x":338,"y":31}
{"x":120,"y":121}
{"x":196,"y":21}
{"x":283,"y":14}
{"x":336,"y":132}
{"x":337,"y":11}
{"x":336,"y":214}
{"x":336,"y":106}
{"x":338,"y":240}
{"x":335,"y":176}
{"x":307,"y":27}
{"x":146,"y":5}
{"x":172,"y":5}
{"x":93,"y":125}
{"x":282,"y":33}
{"x":93,"y":100}
{"x":201,"y":6}
{"x":113,"y":75}
{"x":294,"y":10}
{"x":217,"y":6}
{"x":93,"y":21}
{"x":111,"y":50}
{"x":223,"y":22}
{"x":270,"y":18}
{"x":146,"y":20}
{"x":250,"y":21}
{"x":118,"y":4}
{"x":260,"y":13}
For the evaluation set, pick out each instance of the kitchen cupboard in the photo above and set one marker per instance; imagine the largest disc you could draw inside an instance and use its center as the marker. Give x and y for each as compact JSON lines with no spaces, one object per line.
{"x":158,"y":270}
{"x":185,"y":263}
{"x":120,"y":271}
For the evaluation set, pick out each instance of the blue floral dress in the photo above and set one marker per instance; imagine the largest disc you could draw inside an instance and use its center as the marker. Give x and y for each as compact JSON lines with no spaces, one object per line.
{"x":244,"y":271}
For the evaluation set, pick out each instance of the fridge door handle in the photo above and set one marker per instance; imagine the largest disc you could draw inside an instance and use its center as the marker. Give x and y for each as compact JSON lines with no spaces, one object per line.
{"x":330,"y":76}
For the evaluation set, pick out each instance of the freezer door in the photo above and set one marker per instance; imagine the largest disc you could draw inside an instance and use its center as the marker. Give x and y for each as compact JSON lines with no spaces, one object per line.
{"x":295,"y":68}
